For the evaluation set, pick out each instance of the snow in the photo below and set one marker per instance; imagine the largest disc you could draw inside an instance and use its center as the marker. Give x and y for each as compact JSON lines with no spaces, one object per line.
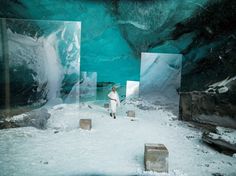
{"x":221,"y":86}
{"x":223,"y":90}
{"x":135,"y":24}
{"x":112,"y":147}
{"x":18,"y":117}
{"x":228,"y":135}
{"x":224,"y":82}
{"x":151,"y":173}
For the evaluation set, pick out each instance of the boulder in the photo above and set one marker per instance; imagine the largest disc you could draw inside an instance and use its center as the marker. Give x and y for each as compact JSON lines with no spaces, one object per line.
{"x":208,"y":108}
{"x":130,"y":113}
{"x":156,"y":158}
{"x":222,"y":139}
{"x":36,"y":118}
{"x":85,"y":124}
{"x":106,"y":105}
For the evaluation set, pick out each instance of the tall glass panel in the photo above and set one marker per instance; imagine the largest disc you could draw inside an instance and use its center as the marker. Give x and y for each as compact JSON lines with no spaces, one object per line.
{"x":132,"y":89}
{"x":40,"y":62}
{"x":160,"y":78}
{"x":88,"y":86}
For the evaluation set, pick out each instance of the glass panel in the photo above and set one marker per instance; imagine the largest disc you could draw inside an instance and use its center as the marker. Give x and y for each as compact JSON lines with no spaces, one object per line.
{"x":160,"y":78}
{"x":40,"y":61}
{"x":132,"y":89}
{"x":88,"y":86}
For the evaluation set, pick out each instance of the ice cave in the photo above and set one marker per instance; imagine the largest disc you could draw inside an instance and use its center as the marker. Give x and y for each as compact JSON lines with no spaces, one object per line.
{"x":118,"y":88}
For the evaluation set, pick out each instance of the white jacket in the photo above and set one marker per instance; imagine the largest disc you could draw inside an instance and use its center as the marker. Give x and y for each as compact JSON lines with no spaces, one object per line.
{"x":114,"y":101}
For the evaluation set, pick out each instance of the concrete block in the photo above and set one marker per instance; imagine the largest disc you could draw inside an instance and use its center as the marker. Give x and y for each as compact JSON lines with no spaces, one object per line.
{"x":85,"y":124}
{"x":106,"y":105}
{"x":130,"y":113}
{"x":156,"y":158}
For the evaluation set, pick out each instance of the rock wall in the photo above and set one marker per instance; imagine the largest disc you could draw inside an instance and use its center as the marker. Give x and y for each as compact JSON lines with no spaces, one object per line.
{"x":208,"y":108}
{"x":36,"y":118}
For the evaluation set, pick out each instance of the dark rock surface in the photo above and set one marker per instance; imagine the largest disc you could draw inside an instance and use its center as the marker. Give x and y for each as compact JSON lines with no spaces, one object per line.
{"x":219,"y":143}
{"x":208,"y":108}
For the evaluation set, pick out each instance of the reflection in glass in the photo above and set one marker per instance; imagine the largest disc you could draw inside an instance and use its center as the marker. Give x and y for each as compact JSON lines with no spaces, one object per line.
{"x":132,"y":89}
{"x":160,"y":77}
{"x":40,"y":61}
{"x":88,"y":86}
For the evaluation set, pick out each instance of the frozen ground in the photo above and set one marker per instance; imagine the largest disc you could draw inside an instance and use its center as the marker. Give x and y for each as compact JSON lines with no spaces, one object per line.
{"x":225,"y":134}
{"x":113,"y":147}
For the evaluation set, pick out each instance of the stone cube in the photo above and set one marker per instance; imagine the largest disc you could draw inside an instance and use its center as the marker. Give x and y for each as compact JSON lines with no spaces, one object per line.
{"x":106,"y":105}
{"x":156,"y":158}
{"x":85,"y":124}
{"x":130,"y":113}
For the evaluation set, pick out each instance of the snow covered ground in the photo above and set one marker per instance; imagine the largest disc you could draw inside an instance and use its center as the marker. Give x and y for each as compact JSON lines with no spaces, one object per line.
{"x":112,"y":147}
{"x":225,"y":134}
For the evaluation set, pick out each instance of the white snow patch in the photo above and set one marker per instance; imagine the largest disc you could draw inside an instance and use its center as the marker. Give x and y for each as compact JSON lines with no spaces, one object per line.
{"x":226,"y":134}
{"x":135,"y":24}
{"x":224,"y":82}
{"x":221,"y":86}
{"x":18,"y":117}
{"x":151,"y":173}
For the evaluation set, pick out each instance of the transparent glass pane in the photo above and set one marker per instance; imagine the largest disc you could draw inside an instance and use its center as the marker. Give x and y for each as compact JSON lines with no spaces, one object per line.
{"x":88,"y":86}
{"x":132,"y":89}
{"x":160,"y":77}
{"x":40,"y":62}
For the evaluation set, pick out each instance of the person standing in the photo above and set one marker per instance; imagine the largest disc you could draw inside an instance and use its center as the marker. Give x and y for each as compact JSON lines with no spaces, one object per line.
{"x":114,"y":102}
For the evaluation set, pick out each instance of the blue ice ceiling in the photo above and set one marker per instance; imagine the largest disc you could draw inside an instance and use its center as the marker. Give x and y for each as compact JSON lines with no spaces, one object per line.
{"x":114,"y":33}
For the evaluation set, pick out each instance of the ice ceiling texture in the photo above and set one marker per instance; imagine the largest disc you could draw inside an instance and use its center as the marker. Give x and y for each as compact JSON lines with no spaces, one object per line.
{"x":114,"y":33}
